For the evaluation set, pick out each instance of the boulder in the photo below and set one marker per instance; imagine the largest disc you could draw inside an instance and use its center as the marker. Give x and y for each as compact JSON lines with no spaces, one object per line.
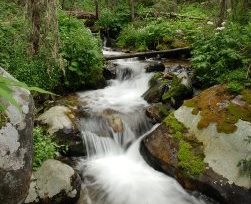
{"x":54,"y":183}
{"x":61,"y":121}
{"x":155,"y":67}
{"x":179,"y":90}
{"x":157,"y":86}
{"x":169,"y":88}
{"x":205,"y":145}
{"x":16,"y":148}
{"x":109,"y":71}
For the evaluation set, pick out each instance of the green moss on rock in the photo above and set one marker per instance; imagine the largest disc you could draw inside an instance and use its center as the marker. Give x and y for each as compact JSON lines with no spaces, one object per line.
{"x":175,"y":126}
{"x":190,"y":154}
{"x":188,"y":160}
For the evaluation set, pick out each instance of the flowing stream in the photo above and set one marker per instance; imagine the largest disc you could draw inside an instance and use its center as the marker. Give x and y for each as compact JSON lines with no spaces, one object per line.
{"x":114,"y":171}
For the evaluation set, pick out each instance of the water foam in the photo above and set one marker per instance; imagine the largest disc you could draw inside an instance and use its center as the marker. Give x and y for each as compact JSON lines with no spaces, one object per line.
{"x":114,"y":173}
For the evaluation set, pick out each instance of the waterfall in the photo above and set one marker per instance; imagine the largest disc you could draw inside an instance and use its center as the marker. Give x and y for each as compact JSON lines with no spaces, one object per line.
{"x":114,"y":171}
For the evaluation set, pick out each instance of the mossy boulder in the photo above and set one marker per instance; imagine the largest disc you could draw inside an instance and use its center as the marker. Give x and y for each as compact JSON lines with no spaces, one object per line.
{"x":168,"y":88}
{"x":207,"y":138}
{"x":157,"y":87}
{"x":178,"y":91}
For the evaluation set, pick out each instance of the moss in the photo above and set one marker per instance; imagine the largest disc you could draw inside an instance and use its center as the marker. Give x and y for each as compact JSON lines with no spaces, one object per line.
{"x":247,"y":95}
{"x":174,"y":125}
{"x":177,"y":90}
{"x":154,"y":80}
{"x":190,"y":154}
{"x":193,"y":164}
{"x":215,"y":106}
{"x":164,"y":111}
{"x":3,"y":119}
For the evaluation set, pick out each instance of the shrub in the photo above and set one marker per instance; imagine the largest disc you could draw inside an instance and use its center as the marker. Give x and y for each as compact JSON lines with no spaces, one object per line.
{"x":44,"y":147}
{"x":112,"y":21}
{"x":82,"y":53}
{"x":223,"y":57}
{"x":158,"y":34}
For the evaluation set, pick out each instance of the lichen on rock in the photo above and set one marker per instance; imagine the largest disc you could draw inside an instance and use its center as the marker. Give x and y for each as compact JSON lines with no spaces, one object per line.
{"x":217,"y":105}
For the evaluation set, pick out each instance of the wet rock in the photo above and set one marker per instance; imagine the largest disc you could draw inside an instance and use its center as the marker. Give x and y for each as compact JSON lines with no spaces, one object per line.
{"x":202,"y":143}
{"x":16,"y":146}
{"x":157,"y":112}
{"x":155,"y":67}
{"x":54,"y":183}
{"x":158,"y":85}
{"x":114,"y":120}
{"x":180,"y":89}
{"x":109,"y":71}
{"x":169,"y":88}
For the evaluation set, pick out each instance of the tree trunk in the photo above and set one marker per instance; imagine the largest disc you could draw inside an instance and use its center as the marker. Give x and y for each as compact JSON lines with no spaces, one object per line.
{"x":222,"y":13}
{"x":132,"y":4}
{"x":97,"y":8}
{"x":35,"y":20}
{"x":173,"y":53}
{"x":175,"y":6}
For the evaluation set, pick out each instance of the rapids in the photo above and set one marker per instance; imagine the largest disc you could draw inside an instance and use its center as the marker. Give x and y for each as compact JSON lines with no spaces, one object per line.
{"x":114,"y":171}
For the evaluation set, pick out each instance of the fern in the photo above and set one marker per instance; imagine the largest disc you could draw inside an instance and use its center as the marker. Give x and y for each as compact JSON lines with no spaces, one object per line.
{"x":6,"y":87}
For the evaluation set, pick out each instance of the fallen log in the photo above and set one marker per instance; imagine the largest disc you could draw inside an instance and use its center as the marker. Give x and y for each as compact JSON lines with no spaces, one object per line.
{"x":82,"y":14}
{"x":172,"y":15}
{"x":173,"y":53}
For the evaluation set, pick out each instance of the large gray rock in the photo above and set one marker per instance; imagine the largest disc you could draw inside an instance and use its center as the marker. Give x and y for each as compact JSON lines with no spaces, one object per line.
{"x":54,"y":183}
{"x":16,"y":146}
{"x":202,"y":143}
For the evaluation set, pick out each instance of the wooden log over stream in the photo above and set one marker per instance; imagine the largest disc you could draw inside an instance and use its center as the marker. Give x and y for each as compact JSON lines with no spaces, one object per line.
{"x":82,"y":14}
{"x":173,"y":53}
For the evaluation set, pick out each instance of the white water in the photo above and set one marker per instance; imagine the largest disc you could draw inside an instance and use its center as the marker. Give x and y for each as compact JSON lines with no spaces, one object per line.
{"x":112,"y":174}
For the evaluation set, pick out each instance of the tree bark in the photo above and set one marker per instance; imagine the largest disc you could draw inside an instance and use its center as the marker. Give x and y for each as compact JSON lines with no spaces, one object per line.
{"x":36,"y":21}
{"x":96,"y":8}
{"x":132,"y":4}
{"x":222,"y":13}
{"x":175,"y":6}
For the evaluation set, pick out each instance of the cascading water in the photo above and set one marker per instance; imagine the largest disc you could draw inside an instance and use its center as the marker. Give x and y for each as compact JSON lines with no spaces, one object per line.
{"x":114,"y":171}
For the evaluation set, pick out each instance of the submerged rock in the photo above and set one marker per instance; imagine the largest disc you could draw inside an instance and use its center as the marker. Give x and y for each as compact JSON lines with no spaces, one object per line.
{"x":16,"y":148}
{"x":203,"y":142}
{"x":54,"y":183}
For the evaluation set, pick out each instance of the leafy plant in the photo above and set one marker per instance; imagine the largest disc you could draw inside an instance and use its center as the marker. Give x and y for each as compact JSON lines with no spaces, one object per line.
{"x":82,"y":53}
{"x":44,"y":147}
{"x":223,"y":57}
{"x":6,"y":87}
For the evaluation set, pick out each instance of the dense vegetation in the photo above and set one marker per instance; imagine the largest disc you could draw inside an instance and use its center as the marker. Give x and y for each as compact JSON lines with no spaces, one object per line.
{"x":54,"y":67}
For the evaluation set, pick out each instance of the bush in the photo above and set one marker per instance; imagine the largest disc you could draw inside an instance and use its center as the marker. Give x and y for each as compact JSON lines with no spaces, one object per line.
{"x":159,"y":34}
{"x":223,"y":57}
{"x":44,"y":147}
{"x":82,"y":53}
{"x":112,"y":21}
